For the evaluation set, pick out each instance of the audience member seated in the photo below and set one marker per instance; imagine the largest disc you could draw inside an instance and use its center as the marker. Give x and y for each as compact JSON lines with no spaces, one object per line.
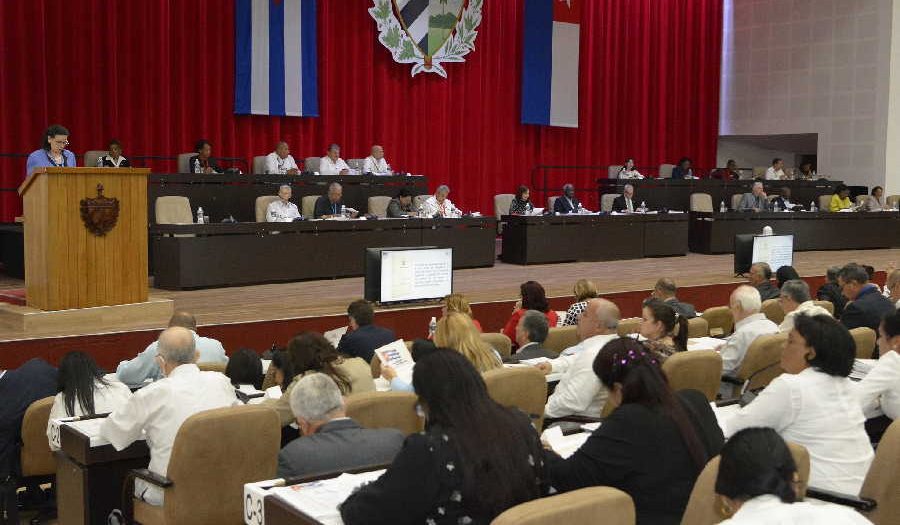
{"x":401,"y":206}
{"x":245,"y":370}
{"x":332,"y":163}
{"x":330,"y":441}
{"x":83,"y":391}
{"x":281,"y":162}
{"x":683,"y":169}
{"x":783,"y":201}
{"x":729,"y":172}
{"x":145,"y":366}
{"x":892,"y":287}
{"x":521,"y":203}
{"x":806,"y":172}
{"x":785,"y":274}
{"x":659,"y":324}
{"x":665,"y":290}
{"x":363,"y":335}
{"x":19,"y":388}
{"x":420,"y":348}
{"x":531,"y":332}
{"x":776,"y":170}
{"x":375,"y":163}
{"x":865,"y":304}
{"x":203,"y":162}
{"x":457,"y":302}
{"x":584,"y":290}
{"x":840,"y":200}
{"x":579,"y":392}
{"x":53,"y":152}
{"x":760,"y":277}
{"x":756,"y":200}
{"x":114,"y":159}
{"x":329,"y":206}
{"x":566,"y":203}
{"x":457,"y":331}
{"x":758,"y":483}
{"x":628,"y":172}
{"x":879,"y":391}
{"x":795,"y":300}
{"x":531,"y":297}
{"x":156,"y":412}
{"x":875,"y":201}
{"x":310,"y":352}
{"x":652,"y":446}
{"x":626,"y":203}
{"x":831,"y":291}
{"x":475,"y":459}
{"x":814,"y":404}
{"x":282,"y":210}
{"x":438,"y":205}
{"x":283,"y":370}
{"x":749,"y":324}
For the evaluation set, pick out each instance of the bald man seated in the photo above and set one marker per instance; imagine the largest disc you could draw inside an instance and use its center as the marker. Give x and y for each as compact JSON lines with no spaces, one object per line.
{"x":375,"y":163}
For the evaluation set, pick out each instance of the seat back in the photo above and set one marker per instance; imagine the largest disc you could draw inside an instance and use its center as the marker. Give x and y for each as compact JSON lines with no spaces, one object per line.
{"x":419,"y":200}
{"x":212,"y":367}
{"x":308,"y":205}
{"x":378,"y":205}
{"x":697,"y":369}
{"x":864,"y":337}
{"x":892,"y":201}
{"x":612,"y":171}
{"x":551,"y":201}
{"x":502,"y":201}
{"x":882,"y":482}
{"x":578,"y":506}
{"x":222,"y":448}
{"x":173,"y":209}
{"x":861,"y":199}
{"x":720,"y":320}
{"x":759,"y":171}
{"x":630,"y":325}
{"x":701,"y":202}
{"x":36,"y":457}
{"x":311,"y":164}
{"x":259,"y":166}
{"x":736,"y":200}
{"x":385,"y":410}
{"x":761,"y":364}
{"x":773,"y":311}
{"x":665,"y":171}
{"x":698,"y":327}
{"x":824,"y":202}
{"x":183,"y":159}
{"x":522,"y":388}
{"x":606,"y":201}
{"x":560,"y":338}
{"x":703,"y":507}
{"x":91,"y":157}
{"x":356,"y":164}
{"x":498,"y":342}
{"x":828,"y":305}
{"x":262,"y":204}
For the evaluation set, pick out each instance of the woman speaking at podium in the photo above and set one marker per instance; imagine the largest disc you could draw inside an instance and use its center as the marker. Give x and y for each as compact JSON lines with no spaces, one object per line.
{"x":53,"y":152}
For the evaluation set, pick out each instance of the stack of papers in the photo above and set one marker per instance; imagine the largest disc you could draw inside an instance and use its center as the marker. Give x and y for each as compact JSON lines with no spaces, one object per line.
{"x":320,"y":499}
{"x":565,"y":446}
{"x":88,"y":427}
{"x":704,"y":343}
{"x":334,"y":336}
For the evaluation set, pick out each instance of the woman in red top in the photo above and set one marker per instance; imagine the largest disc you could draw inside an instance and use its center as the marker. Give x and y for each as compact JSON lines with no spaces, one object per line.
{"x":533,"y":298}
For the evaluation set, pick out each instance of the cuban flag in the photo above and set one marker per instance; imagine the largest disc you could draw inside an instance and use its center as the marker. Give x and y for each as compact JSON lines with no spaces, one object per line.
{"x":550,"y":62}
{"x":275,"y":58}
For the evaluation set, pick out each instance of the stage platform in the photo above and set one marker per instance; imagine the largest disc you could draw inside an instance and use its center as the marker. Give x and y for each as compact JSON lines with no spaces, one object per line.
{"x":263,"y":315}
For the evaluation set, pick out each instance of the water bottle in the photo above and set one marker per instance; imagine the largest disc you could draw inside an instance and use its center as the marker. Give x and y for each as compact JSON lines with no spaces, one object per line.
{"x":722,"y":208}
{"x":777,"y":208}
{"x":200,"y":215}
{"x":643,"y":208}
{"x":197,"y":167}
{"x":432,"y":327}
{"x":579,"y":209}
{"x":343,"y":211}
{"x":812,"y":206}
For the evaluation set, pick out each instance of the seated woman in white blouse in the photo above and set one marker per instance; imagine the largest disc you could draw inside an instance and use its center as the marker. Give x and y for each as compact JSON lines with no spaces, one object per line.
{"x":758,"y":483}
{"x":628,"y":171}
{"x":814,"y":404}
{"x":879,"y":392}
{"x":84,"y":391}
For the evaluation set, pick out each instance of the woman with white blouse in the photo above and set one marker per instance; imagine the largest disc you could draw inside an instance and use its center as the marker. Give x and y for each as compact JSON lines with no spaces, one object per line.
{"x":814,"y":404}
{"x":879,"y":391}
{"x":628,"y":171}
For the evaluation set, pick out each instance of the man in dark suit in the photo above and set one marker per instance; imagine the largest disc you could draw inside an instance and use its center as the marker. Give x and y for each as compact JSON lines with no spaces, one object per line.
{"x":783,"y":201}
{"x":665,"y":291}
{"x":831,"y":291}
{"x":756,"y":200}
{"x":330,"y":441}
{"x":329,"y":206}
{"x":566,"y":203}
{"x":866,"y":306}
{"x":531,"y":332}
{"x":626,"y":203}
{"x":363,"y":337}
{"x":760,"y":277}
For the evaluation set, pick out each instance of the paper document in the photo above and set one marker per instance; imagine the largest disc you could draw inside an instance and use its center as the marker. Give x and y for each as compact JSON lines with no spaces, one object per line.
{"x":590,"y":427}
{"x":704,"y":343}
{"x":88,"y":427}
{"x":396,"y":356}
{"x":565,"y":446}
{"x":320,"y":499}
{"x":334,"y":336}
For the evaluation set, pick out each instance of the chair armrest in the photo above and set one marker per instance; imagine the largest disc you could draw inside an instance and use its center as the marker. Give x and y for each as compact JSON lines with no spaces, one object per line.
{"x":152,"y":477}
{"x":847,"y":500}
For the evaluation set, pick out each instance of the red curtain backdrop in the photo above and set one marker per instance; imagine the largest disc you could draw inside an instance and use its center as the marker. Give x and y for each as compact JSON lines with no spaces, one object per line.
{"x":159,"y":74}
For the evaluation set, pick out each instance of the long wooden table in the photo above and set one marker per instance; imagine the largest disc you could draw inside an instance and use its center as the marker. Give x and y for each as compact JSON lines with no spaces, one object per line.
{"x":714,"y":232}
{"x":565,"y":238}
{"x":210,"y":255}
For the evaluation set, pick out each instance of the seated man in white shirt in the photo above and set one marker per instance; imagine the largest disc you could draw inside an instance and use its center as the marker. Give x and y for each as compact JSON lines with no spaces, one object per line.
{"x":376,"y":163}
{"x":332,"y":163}
{"x":280,"y":161}
{"x":158,"y":410}
{"x":795,"y":300}
{"x":143,"y":367}
{"x":579,"y":392}
{"x":438,"y":205}
{"x":749,"y":324}
{"x":282,"y":210}
{"x":776,"y":170}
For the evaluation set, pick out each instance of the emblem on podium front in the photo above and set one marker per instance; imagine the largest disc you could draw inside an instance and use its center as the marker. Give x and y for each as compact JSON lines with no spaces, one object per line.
{"x":100,"y":213}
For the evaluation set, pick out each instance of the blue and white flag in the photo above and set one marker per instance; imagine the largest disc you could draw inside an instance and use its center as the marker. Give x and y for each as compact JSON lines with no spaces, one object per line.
{"x":275,"y":58}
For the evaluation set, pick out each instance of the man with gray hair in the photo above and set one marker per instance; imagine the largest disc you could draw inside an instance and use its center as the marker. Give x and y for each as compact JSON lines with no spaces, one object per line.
{"x":756,"y":200}
{"x":795,"y":300}
{"x":866,"y":306}
{"x":831,"y":291}
{"x":282,"y":210}
{"x":329,"y":206}
{"x":760,"y":277}
{"x":158,"y":410}
{"x":665,"y":290}
{"x":566,"y":203}
{"x":749,"y":324}
{"x":280,"y":161}
{"x":376,"y":163}
{"x":438,"y":205}
{"x":330,"y":440}
{"x":625,"y":203}
{"x":531,"y":332}
{"x":332,"y":163}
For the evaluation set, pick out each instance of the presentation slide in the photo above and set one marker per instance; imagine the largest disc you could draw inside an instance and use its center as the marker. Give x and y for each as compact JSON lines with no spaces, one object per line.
{"x":777,"y":250}
{"x":409,"y":275}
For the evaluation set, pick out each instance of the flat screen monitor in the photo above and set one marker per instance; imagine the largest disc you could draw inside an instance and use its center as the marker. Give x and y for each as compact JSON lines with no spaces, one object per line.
{"x":776,"y":250}
{"x":401,"y":275}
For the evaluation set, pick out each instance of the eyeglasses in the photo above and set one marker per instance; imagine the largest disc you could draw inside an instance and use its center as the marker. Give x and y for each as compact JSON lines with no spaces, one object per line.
{"x":61,"y":142}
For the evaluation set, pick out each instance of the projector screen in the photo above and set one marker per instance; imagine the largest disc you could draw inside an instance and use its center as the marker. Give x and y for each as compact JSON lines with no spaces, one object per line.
{"x":415,"y":275}
{"x":777,"y":250}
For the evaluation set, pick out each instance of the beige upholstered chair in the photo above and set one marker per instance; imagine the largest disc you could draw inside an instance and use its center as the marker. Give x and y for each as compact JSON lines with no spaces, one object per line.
{"x":244,"y":449}
{"x":311,"y":164}
{"x":824,"y":202}
{"x":262,"y":204}
{"x":35,"y":456}
{"x":736,"y":200}
{"x":665,"y":171}
{"x":703,"y":507}
{"x":259,"y":166}
{"x":173,"y":210}
{"x":385,"y":410}
{"x":773,"y":311}
{"x":522,"y":388}
{"x":498,"y":342}
{"x":698,"y":327}
{"x":892,"y":200}
{"x":308,"y":205}
{"x":864,"y":337}
{"x":573,"y":508}
{"x":828,"y":305}
{"x":356,"y":164}
{"x":560,"y":338}
{"x":861,"y":199}
{"x":759,"y":172}
{"x":631,"y":325}
{"x":701,"y":202}
{"x":720,"y":320}
{"x":606,"y":201}
{"x":212,"y":367}
{"x":502,"y":201}
{"x":882,"y":483}
{"x":612,"y":171}
{"x":697,"y":369}
{"x":551,"y":201}
{"x":378,"y":205}
{"x":762,"y":363}
{"x":91,"y":157}
{"x":183,"y":160}
{"x":419,"y":201}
